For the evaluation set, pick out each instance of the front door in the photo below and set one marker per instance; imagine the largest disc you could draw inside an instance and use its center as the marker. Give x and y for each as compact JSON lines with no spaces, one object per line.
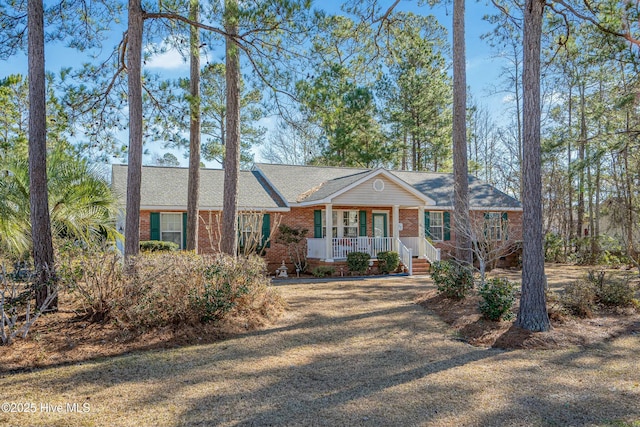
{"x":379,"y":225}
{"x":380,"y":242}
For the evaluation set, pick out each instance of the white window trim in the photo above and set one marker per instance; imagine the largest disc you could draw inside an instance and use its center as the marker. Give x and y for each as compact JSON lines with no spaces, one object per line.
{"x":441,"y":226}
{"x":338,"y":224}
{"x":162,"y":231}
{"x":493,"y":226}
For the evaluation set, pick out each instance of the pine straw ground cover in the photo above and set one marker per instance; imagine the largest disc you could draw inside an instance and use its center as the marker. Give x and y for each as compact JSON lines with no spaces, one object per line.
{"x":360,"y":352}
{"x":606,"y":324}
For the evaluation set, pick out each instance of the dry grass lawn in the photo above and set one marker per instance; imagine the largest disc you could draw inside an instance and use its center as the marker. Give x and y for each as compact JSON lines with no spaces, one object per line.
{"x":350,"y":353}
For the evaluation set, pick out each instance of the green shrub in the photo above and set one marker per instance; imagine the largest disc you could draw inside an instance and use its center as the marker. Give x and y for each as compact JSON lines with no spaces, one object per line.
{"x":611,"y":259}
{"x":158,"y":246}
{"x":231,"y":285}
{"x":452,"y":279}
{"x":388,"y":261}
{"x":358,"y":262}
{"x":498,"y":296}
{"x":612,"y":292}
{"x":227,"y":281}
{"x":612,"y":252}
{"x":580,"y":298}
{"x":553,"y":247}
{"x":616,"y":293}
{"x":323,"y":271}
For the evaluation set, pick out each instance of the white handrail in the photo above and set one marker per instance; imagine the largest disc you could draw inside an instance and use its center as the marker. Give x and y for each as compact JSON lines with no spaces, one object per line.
{"x":431,"y":252}
{"x":406,"y":257}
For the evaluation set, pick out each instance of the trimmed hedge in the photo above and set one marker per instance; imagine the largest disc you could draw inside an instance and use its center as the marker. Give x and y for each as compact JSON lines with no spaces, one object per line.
{"x":158,"y":246}
{"x":388,"y":261}
{"x":323,"y":271}
{"x":498,"y":296}
{"x":358,"y":262}
{"x":452,"y":279}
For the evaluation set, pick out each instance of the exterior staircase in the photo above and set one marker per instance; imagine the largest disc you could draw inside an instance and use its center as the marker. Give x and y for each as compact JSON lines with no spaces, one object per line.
{"x":420,"y":266}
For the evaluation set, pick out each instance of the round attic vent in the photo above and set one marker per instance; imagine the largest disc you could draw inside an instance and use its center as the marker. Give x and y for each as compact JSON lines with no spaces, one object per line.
{"x":378,"y":185}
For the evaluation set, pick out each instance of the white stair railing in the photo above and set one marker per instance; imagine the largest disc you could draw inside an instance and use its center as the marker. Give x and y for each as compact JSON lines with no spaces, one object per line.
{"x":431,"y":252}
{"x":406,"y":256}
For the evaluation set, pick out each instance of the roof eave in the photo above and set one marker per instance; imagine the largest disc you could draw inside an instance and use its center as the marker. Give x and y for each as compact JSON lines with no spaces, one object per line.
{"x":428,"y":201}
{"x":162,"y":208}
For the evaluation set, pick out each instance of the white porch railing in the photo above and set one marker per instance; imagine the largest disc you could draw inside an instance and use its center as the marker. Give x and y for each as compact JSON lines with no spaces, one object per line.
{"x":340,"y":247}
{"x":406,"y":257}
{"x":371,"y":245}
{"x":431,"y":252}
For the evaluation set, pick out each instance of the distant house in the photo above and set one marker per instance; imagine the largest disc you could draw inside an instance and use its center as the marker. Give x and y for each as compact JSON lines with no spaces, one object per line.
{"x":367,"y":210}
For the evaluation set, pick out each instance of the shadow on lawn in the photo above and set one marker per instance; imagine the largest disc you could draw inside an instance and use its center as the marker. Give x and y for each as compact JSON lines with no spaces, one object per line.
{"x":73,"y":344}
{"x":387,"y":365}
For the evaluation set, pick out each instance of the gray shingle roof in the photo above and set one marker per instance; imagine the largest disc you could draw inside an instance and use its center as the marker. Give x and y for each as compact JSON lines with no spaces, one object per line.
{"x":310,"y":183}
{"x":167,"y":187}
{"x":295,"y":183}
{"x":439,"y":186}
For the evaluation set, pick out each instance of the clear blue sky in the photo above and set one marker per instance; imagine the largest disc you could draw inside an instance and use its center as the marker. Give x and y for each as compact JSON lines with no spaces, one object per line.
{"x":483,"y":68}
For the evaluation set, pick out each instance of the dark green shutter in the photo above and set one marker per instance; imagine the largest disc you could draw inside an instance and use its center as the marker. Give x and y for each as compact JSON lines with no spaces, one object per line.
{"x":266,"y":230}
{"x":317,"y":224}
{"x":154,"y":226}
{"x":427,"y":225}
{"x":386,"y":226}
{"x":447,"y":225}
{"x":184,"y":230}
{"x":363,"y":223}
{"x":505,"y":225}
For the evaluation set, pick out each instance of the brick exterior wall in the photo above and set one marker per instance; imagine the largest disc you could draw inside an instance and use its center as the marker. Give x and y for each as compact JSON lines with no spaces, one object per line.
{"x":447,"y":248}
{"x":208,"y":236}
{"x":410,"y":222}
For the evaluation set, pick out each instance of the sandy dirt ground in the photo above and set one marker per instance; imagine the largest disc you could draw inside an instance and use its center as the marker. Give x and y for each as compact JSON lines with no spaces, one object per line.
{"x":346,"y":353}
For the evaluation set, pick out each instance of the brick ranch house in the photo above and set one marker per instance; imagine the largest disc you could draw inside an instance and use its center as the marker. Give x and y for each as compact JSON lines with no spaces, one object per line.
{"x":368,"y":210}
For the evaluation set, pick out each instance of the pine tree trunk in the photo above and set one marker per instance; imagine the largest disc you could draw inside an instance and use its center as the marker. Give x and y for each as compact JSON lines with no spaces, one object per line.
{"x":43,"y":257}
{"x":628,"y":193}
{"x":134,"y":174}
{"x":581,"y":166}
{"x":569,"y":228}
{"x":193,"y":202}
{"x":232,"y":143}
{"x":460,"y":169}
{"x":532,"y":314}
{"x":518,"y":117}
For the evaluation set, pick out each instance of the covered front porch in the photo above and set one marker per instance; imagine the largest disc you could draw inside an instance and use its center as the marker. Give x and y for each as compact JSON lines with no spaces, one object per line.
{"x":373,"y":212}
{"x":338,"y":248}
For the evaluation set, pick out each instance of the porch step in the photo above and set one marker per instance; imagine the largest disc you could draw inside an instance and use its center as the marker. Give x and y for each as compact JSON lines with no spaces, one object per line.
{"x":421,"y":266}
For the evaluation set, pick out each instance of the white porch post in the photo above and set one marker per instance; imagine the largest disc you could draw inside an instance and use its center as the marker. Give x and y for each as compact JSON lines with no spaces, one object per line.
{"x":396,"y":227}
{"x":329,"y":235}
{"x":421,"y":232}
